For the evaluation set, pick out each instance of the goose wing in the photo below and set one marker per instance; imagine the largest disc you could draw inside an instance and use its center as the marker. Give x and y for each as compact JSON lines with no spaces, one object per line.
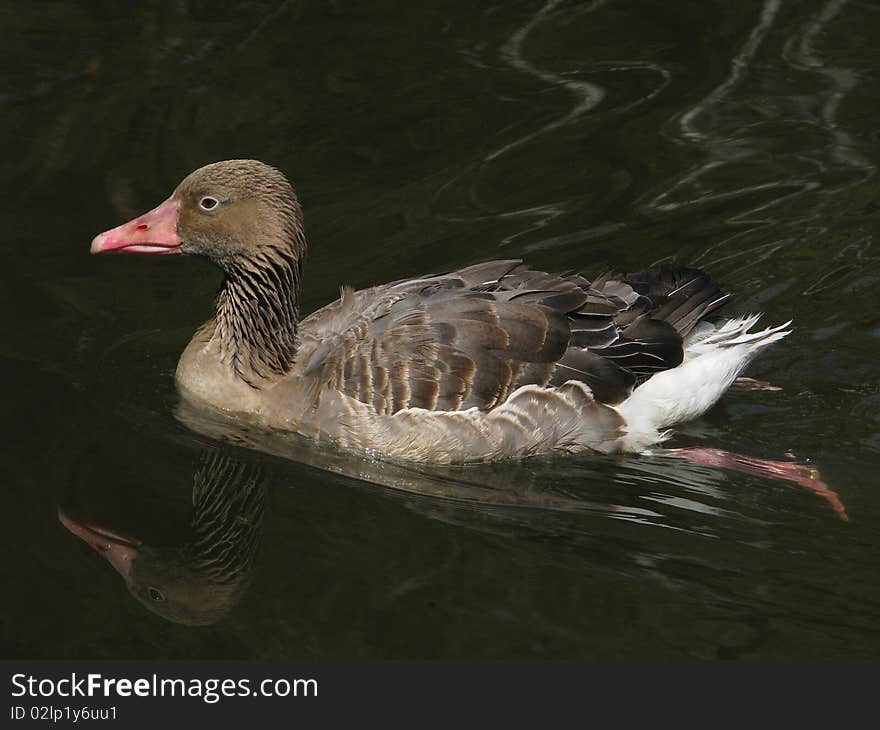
{"x":471,"y":337}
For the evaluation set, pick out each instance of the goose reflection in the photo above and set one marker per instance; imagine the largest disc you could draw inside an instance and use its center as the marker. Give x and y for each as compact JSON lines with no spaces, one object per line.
{"x":198,"y":582}
{"x":548,"y":488}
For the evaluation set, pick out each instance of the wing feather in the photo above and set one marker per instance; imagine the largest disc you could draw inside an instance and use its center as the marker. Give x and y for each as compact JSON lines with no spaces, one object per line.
{"x":469,"y":338}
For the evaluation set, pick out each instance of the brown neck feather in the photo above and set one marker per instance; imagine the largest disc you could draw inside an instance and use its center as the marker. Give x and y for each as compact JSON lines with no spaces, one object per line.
{"x":257,"y":313}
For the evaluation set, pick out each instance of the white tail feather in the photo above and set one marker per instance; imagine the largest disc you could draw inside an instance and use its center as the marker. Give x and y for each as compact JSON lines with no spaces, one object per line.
{"x":713,"y":358}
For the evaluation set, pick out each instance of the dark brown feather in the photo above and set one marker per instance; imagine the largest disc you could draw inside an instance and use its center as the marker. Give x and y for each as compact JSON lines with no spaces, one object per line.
{"x":472,"y":337}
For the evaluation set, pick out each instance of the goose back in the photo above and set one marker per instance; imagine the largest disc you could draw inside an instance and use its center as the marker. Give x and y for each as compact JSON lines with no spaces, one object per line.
{"x":470,"y":338}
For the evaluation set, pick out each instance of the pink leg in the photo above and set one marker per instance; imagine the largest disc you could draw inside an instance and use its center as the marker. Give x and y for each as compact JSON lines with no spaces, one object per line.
{"x":801,"y":474}
{"x":748,"y":384}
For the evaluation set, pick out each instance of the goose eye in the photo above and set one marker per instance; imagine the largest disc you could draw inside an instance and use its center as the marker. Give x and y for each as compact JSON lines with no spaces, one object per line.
{"x":208,"y":203}
{"x":156,"y":595}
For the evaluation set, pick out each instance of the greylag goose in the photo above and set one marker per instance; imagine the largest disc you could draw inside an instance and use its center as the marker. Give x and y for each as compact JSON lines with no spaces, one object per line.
{"x":488,"y":362}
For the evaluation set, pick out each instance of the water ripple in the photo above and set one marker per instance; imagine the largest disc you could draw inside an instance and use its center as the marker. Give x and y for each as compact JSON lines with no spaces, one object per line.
{"x":587,"y":95}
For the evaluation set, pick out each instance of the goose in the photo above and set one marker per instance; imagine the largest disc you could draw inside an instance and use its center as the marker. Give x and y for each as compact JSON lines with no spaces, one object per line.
{"x":493,"y":361}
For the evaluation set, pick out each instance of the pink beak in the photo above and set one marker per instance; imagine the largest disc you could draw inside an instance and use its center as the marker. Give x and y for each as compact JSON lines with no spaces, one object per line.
{"x":119,"y":551}
{"x":153,"y":232}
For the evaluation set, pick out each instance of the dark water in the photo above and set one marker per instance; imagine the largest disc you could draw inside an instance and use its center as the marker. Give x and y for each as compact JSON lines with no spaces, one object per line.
{"x":738,"y":136}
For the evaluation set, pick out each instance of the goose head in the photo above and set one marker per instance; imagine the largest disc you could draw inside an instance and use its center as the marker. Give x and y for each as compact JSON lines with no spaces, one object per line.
{"x":231,"y":212}
{"x":244,"y":216}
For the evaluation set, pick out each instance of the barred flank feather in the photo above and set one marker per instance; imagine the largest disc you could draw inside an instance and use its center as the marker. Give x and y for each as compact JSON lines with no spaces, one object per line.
{"x":470,"y":338}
